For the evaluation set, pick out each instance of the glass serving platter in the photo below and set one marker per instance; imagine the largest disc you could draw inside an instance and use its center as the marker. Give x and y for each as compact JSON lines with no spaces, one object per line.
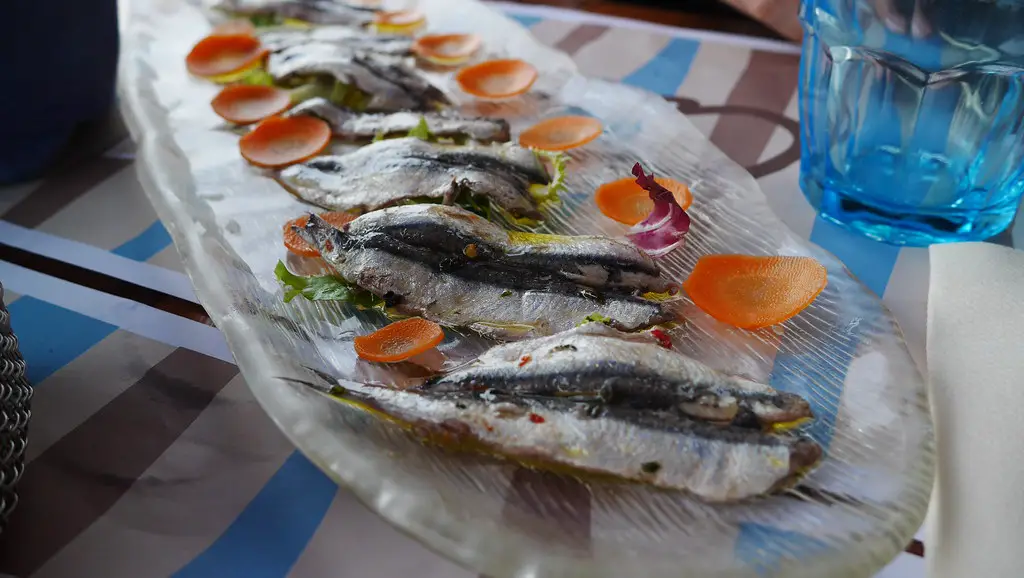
{"x":845,"y":353}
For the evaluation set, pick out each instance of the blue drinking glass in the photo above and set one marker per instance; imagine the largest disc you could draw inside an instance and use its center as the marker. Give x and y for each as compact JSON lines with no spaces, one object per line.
{"x":911,"y":114}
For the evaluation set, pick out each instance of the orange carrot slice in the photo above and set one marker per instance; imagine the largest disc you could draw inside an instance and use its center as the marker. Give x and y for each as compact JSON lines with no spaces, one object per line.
{"x":296,"y":244}
{"x":399,"y":21}
{"x":218,"y":55}
{"x":399,"y":341}
{"x":232,"y":27}
{"x":754,"y":292}
{"x":446,"y":49}
{"x":561,"y":133}
{"x":628,"y":203}
{"x":497,"y":78}
{"x":278,"y":142}
{"x":246,"y":104}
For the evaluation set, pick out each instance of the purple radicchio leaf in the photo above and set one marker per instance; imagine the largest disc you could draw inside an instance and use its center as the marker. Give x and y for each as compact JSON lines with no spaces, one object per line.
{"x":664,"y":229}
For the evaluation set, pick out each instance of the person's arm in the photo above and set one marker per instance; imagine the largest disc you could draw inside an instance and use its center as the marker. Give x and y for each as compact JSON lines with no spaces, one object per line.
{"x":780,"y":15}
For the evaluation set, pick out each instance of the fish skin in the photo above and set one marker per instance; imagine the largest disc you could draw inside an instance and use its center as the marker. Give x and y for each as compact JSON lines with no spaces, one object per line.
{"x":392,"y":85}
{"x":353,"y":125}
{"x":393,"y":171}
{"x":491,"y":306}
{"x":594,"y":261}
{"x":281,"y":38}
{"x":717,"y":464}
{"x":624,"y":371}
{"x":314,"y":11}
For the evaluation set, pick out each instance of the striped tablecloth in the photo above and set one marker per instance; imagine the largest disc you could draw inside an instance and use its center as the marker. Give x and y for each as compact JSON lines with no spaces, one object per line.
{"x":149,"y":457}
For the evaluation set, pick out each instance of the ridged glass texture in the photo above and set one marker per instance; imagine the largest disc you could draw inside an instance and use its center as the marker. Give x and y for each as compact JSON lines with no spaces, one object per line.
{"x":844,"y":353}
{"x":912,"y":114}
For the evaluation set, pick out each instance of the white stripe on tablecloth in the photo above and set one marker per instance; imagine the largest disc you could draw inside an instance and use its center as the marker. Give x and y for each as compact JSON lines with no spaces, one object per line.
{"x":353,"y":542}
{"x":76,"y":391}
{"x":128,"y":315}
{"x":186,"y":499}
{"x":634,"y":26}
{"x":605,"y":57}
{"x":108,"y":215}
{"x":906,"y":295}
{"x":550,"y":32}
{"x":713,"y":74}
{"x":782,"y":188}
{"x":904,"y":566}
{"x":151,"y":275}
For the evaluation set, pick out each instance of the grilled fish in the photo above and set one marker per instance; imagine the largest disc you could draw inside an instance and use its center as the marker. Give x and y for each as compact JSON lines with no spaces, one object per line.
{"x":445,"y":124}
{"x":505,"y":292}
{"x":622,"y":370}
{"x":389,"y":84}
{"x":393,"y":171}
{"x":278,"y":39}
{"x":594,"y":261}
{"x":314,"y":11}
{"x":664,"y":447}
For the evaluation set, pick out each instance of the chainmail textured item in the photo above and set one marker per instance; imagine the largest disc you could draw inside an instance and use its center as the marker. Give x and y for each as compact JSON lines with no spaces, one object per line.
{"x":15,"y":395}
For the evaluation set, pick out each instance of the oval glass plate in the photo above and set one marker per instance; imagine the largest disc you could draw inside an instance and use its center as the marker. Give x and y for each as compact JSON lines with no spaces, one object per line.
{"x":844,"y":354}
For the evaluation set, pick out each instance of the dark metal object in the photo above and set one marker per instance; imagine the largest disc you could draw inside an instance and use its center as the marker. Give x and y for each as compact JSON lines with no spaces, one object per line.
{"x":15,"y":397}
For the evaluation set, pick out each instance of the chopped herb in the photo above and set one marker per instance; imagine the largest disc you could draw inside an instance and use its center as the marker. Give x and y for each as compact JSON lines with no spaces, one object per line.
{"x":264,"y":20}
{"x":324,"y":288}
{"x":379,"y":136}
{"x":565,"y":347}
{"x":650,"y":467}
{"x":257,"y":76}
{"x":506,"y":292}
{"x":595,"y":318}
{"x":421,"y":130}
{"x":349,"y":96}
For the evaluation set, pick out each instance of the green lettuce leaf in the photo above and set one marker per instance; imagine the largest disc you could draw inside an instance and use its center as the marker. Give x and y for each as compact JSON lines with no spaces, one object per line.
{"x":324,"y":288}
{"x":595,"y":318}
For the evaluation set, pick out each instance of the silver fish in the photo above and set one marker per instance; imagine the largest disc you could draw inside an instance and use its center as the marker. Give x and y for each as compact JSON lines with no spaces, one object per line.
{"x":445,"y":124}
{"x":594,"y":261}
{"x":498,"y":298}
{"x":390,"y":85}
{"x":622,"y":370}
{"x":662,"y":448}
{"x":281,"y":38}
{"x":314,"y":11}
{"x":393,"y":171}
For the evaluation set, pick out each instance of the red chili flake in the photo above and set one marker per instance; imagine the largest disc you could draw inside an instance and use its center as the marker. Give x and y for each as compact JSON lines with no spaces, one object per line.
{"x":524,"y":360}
{"x":536,"y":418}
{"x":663,"y":339}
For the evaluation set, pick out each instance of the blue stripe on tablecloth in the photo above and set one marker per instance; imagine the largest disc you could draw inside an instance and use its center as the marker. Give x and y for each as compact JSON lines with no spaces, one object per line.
{"x":666,"y":71}
{"x":763,"y":547}
{"x":270,"y":534}
{"x":50,"y":337}
{"x":147,"y":244}
{"x":526,"y":21}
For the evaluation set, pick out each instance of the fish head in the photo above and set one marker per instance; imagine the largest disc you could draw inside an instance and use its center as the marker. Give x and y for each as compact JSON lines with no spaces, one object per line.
{"x":330,"y":241}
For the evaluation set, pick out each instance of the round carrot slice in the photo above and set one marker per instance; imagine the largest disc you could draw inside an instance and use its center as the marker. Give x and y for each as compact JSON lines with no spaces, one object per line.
{"x":232,"y":27}
{"x":561,"y":133}
{"x":278,"y":142}
{"x":399,"y":340}
{"x":446,"y":49}
{"x":246,"y":104}
{"x":399,"y":21}
{"x":217,"y":55}
{"x":754,"y":292}
{"x":296,"y":244}
{"x":628,"y":203}
{"x":497,"y":78}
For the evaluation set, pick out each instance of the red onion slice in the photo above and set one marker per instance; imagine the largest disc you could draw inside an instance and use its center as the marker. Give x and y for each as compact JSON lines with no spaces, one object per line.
{"x":664,"y":229}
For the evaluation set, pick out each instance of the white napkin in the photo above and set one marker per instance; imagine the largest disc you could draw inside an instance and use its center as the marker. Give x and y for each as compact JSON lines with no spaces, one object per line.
{"x":976,"y":366}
